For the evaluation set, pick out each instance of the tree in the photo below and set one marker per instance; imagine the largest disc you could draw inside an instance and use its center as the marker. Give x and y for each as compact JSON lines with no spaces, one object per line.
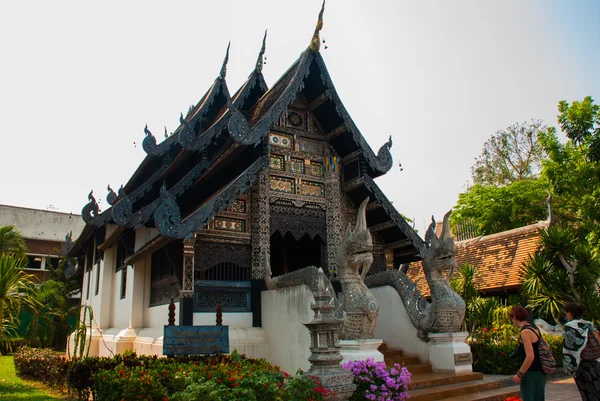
{"x":11,"y":241}
{"x":565,"y":268}
{"x":580,"y":121}
{"x":480,"y":312}
{"x":494,"y":209}
{"x":510,"y":155}
{"x":573,"y":168}
{"x":17,"y":291}
{"x":53,"y":314}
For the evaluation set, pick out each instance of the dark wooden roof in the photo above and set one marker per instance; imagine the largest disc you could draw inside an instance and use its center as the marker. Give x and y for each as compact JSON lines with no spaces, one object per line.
{"x":210,"y":158}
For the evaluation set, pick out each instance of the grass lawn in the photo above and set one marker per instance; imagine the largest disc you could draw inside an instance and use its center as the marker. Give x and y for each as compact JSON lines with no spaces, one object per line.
{"x":12,"y":388}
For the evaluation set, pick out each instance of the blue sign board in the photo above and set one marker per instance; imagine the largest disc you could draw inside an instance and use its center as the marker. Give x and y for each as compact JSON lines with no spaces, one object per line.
{"x":196,"y":340}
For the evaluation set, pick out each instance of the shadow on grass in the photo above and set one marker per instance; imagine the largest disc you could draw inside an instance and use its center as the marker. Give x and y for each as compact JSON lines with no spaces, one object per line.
{"x":20,"y":392}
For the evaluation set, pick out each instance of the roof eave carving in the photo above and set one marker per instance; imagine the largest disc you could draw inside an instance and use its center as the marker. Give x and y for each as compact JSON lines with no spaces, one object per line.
{"x":90,"y":213}
{"x":244,"y":134}
{"x":123,"y":214}
{"x":187,"y":130}
{"x":380,"y":163}
{"x":168,"y":215}
{"x":238,"y":125}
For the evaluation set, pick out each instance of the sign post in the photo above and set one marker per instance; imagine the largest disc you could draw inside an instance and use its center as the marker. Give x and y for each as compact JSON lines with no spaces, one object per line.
{"x":195,"y":340}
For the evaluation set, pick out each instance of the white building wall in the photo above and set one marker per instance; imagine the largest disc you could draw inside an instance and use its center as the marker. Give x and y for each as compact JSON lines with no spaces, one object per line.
{"x":41,"y":224}
{"x":283,"y":312}
{"x":121,"y":308}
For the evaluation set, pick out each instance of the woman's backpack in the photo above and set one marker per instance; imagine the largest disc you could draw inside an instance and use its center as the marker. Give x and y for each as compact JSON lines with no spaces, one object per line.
{"x":591,"y":351}
{"x":546,"y":357}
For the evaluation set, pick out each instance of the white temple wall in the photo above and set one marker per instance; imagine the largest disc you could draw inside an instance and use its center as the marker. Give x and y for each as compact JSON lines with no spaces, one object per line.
{"x":137,"y":293}
{"x":394,"y":326}
{"x":158,"y":316}
{"x":89,"y":297}
{"x":121,"y":308}
{"x":143,"y":235}
{"x":231,"y":319}
{"x":106,"y":280}
{"x":283,"y":312}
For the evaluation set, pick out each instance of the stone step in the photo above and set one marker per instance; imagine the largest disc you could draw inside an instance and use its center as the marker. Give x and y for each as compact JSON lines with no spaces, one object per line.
{"x":499,"y":394}
{"x":402,"y":360}
{"x":428,"y":386}
{"x":426,"y":380}
{"x":417,"y":368}
{"x":452,"y":390}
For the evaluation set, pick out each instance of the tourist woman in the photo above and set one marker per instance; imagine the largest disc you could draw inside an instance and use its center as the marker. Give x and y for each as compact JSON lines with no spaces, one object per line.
{"x":530,"y":375}
{"x":578,"y":350}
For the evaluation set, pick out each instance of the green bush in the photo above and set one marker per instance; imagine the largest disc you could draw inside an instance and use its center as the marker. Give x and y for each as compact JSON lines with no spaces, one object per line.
{"x":491,"y":350}
{"x":196,"y":378}
{"x":41,"y":364}
{"x":130,"y":384}
{"x":221,"y":377}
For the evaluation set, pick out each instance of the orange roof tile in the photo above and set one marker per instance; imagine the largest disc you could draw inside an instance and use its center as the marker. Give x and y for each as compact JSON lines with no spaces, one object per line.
{"x":497,"y":256}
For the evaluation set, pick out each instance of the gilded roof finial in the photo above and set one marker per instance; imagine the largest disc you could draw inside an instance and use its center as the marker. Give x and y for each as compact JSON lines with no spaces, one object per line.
{"x":224,"y":68}
{"x":260,"y":61}
{"x":315,"y":43}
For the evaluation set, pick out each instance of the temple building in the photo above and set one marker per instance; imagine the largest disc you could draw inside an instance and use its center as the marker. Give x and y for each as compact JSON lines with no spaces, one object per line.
{"x":266,"y":175}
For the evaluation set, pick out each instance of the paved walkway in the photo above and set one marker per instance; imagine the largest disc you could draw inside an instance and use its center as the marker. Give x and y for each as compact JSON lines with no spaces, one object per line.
{"x":562,"y":389}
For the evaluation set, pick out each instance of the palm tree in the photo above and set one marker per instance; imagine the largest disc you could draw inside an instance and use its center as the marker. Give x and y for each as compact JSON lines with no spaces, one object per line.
{"x":564,"y":269}
{"x":17,"y":290}
{"x":464,"y":284}
{"x":11,"y":241}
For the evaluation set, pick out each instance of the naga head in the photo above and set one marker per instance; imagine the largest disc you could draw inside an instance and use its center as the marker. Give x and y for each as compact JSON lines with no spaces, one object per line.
{"x":439,"y":253}
{"x":355,"y":251}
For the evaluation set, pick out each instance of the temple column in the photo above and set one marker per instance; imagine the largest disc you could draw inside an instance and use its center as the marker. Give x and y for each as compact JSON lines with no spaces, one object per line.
{"x":186,"y":295}
{"x":333,"y":211}
{"x":261,"y":244}
{"x":261,"y":227}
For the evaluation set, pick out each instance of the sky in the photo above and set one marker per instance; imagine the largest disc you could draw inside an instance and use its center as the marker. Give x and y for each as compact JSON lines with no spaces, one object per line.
{"x":79,"y":80}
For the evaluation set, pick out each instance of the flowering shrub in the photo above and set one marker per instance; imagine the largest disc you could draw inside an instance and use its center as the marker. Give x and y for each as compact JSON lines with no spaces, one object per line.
{"x":212,"y":378}
{"x":41,"y":364}
{"x":375,"y":381}
{"x":491,"y":348}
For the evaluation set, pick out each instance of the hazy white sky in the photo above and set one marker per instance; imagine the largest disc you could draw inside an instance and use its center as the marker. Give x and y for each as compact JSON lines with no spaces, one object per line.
{"x":78,"y":81}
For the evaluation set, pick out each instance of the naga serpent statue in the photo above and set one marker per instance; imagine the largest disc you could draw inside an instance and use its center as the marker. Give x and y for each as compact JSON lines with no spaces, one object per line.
{"x":446,"y":311}
{"x":439,"y":255}
{"x":354,"y":259}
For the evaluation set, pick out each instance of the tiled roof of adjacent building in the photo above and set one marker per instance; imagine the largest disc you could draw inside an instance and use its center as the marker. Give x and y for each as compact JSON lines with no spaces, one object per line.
{"x":497,"y":256}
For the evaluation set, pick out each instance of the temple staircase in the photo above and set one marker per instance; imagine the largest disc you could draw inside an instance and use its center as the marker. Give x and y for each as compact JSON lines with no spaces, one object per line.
{"x":429,"y":386}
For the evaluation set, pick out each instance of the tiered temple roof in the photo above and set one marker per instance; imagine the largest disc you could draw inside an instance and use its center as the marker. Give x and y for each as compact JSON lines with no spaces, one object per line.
{"x":220,"y":148}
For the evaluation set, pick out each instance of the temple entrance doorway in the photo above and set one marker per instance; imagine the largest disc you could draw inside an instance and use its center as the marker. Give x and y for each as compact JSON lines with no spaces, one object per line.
{"x":289,"y":254}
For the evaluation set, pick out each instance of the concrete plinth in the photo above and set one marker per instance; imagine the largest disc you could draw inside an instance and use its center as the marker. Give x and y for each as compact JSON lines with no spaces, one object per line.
{"x":361,"y":349}
{"x":449,"y":353}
